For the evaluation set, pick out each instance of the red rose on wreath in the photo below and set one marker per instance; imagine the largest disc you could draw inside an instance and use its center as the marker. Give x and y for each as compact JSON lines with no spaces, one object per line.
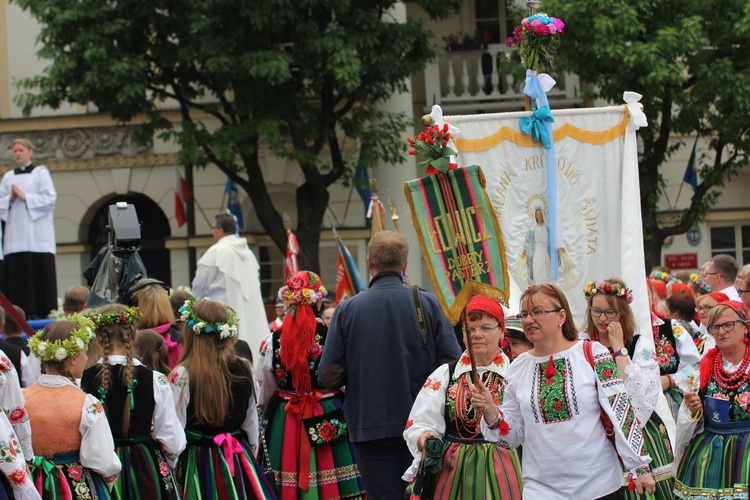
{"x":327,"y":431}
{"x":75,"y":473}
{"x":18,"y":477}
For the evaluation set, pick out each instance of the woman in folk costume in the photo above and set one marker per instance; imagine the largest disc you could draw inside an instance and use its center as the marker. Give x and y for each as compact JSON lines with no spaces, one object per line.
{"x":306,"y":436}
{"x":677,"y":356}
{"x":75,"y":453}
{"x":610,"y":321}
{"x":713,"y":425}
{"x":215,"y":394}
{"x":553,"y":402}
{"x":135,"y":398}
{"x":15,"y":437}
{"x":472,"y":468}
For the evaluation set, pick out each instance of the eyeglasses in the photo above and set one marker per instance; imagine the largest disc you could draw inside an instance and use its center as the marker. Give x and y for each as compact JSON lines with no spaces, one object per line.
{"x":486,"y":329}
{"x":704,"y":308}
{"x":742,"y":291}
{"x":710,"y":274}
{"x":609,"y":313}
{"x":728,"y":326}
{"x":537,"y":313}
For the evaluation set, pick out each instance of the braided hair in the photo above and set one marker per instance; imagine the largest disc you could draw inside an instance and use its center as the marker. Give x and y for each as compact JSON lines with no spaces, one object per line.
{"x":110,"y":336}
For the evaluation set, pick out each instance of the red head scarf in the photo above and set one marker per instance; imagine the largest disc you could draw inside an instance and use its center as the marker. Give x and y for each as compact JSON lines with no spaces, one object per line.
{"x":707,"y":363}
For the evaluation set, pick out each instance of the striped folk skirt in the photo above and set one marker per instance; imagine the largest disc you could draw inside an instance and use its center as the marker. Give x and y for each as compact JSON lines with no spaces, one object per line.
{"x":659,"y":448}
{"x":715,"y":464}
{"x":296,"y":447}
{"x":63,"y":478}
{"x":479,"y":471}
{"x":145,"y":473}
{"x":229,"y":471}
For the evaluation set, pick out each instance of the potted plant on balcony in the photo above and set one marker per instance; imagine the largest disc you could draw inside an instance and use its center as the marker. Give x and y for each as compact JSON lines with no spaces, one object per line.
{"x":465,"y":41}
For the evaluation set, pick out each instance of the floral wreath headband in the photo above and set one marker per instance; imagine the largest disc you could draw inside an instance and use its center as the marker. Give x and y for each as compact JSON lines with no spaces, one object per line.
{"x":607,"y":288}
{"x":129,"y":316}
{"x":666,"y":277}
{"x":59,"y":350}
{"x":302,"y":288}
{"x":226,"y":330}
{"x":694,"y":278}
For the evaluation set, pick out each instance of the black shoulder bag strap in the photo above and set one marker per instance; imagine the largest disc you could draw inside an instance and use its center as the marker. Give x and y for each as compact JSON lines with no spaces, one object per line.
{"x":416,"y":301}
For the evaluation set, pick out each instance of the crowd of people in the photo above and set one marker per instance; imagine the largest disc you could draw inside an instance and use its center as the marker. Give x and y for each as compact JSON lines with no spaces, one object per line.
{"x":160,"y":397}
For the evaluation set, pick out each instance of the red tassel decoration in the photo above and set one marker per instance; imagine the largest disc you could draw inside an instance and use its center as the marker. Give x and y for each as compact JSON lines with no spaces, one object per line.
{"x":631,"y":483}
{"x":549,"y":372}
{"x":503,"y":428}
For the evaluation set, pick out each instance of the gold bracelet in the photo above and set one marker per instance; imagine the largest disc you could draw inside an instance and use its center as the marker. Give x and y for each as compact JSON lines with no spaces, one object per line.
{"x":698,"y":415}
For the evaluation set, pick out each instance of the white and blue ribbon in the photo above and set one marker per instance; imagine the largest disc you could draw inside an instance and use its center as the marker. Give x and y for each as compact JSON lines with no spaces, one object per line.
{"x":539,"y":126}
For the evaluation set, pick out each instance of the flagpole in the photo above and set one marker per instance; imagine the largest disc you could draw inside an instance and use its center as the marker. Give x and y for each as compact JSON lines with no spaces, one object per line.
{"x":341,"y":255}
{"x":202,"y":212}
{"x":394,"y":215}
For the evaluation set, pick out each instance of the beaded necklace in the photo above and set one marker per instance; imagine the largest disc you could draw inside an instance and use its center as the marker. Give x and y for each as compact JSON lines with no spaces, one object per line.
{"x":731,"y":381}
{"x":467,"y":418}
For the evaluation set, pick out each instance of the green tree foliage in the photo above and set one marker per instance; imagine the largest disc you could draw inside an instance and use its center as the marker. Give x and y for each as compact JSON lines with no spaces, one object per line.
{"x":304,"y":77}
{"x":688,"y":58}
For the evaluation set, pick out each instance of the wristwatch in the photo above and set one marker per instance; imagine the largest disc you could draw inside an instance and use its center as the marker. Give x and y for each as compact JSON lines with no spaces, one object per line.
{"x":619,"y":352}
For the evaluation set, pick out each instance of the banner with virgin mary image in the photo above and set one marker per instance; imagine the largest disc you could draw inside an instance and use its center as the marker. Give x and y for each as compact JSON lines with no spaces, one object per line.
{"x":598,"y":199}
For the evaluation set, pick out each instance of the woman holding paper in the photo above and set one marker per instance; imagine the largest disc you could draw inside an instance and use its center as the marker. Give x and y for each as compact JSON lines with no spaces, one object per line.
{"x":713,"y":425}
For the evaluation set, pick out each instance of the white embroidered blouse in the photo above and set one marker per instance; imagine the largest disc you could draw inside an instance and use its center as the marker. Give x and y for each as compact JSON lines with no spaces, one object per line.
{"x":566,"y":453}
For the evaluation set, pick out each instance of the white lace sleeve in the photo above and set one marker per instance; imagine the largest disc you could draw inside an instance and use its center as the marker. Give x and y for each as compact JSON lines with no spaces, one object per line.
{"x":643,"y":383}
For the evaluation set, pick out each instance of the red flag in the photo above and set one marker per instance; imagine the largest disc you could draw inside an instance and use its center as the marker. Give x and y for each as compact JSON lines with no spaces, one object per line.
{"x":343,"y":285}
{"x":181,"y":196}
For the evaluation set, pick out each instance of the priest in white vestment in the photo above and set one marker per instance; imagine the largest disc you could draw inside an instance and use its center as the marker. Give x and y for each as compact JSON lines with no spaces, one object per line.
{"x":229,"y":272}
{"x":27,"y":203}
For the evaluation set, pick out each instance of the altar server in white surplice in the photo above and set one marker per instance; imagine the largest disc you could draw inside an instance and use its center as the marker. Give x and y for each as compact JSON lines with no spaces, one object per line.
{"x":27,"y":203}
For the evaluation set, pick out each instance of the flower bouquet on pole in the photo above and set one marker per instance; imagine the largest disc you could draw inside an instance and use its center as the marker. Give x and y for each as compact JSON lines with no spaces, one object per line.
{"x":536,"y":41}
{"x":434,"y":144}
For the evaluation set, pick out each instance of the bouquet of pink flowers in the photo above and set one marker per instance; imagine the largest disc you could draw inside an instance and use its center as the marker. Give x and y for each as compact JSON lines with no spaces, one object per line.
{"x":536,"y":41}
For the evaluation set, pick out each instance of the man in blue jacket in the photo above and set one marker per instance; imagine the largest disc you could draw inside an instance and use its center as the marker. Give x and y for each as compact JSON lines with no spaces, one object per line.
{"x":383,"y":354}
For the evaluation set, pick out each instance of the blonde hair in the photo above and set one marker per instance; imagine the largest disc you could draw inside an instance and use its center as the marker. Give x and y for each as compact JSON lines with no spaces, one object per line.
{"x":153,"y":302}
{"x":617,"y":304}
{"x":207,"y":358}
{"x":23,"y":142}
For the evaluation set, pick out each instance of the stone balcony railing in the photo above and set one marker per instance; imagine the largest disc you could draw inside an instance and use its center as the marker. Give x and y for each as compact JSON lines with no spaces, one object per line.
{"x":468,"y":81}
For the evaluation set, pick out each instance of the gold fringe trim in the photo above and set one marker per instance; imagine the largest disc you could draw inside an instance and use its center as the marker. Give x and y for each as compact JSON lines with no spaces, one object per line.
{"x":567,"y":130}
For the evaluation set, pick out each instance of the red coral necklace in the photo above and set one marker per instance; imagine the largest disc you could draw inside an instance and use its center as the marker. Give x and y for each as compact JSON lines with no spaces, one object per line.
{"x":736,"y":379}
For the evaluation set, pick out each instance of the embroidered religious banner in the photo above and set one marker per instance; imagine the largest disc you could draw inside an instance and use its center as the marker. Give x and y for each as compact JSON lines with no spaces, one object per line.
{"x":460,"y":237}
{"x":598,"y":198}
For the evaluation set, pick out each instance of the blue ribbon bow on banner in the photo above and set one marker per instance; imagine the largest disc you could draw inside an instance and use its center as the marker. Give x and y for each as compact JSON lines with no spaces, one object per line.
{"x":535,"y":125}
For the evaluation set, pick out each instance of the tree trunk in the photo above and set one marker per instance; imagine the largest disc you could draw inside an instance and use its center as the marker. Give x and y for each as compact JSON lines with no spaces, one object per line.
{"x":652,"y":250}
{"x":311,"y":208}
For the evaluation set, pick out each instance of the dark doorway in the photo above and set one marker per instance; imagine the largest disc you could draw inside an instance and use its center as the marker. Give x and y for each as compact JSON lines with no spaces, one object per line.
{"x":154,"y":229}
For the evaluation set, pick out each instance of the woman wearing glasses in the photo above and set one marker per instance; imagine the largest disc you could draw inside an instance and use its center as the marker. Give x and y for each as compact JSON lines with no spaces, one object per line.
{"x":610,"y":321}
{"x":553,"y":402}
{"x":472,"y":467}
{"x":713,"y":425}
{"x":703,"y":306}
